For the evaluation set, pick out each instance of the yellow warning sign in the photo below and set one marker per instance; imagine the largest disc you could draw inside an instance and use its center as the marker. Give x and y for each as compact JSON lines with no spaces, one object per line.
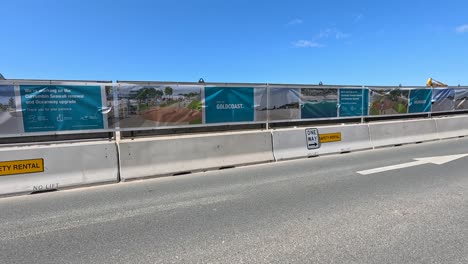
{"x":21,"y":166}
{"x":331,"y":137}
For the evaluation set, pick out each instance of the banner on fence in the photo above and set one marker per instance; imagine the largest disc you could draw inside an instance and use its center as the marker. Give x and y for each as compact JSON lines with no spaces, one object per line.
{"x":10,"y":114}
{"x":461,"y":99}
{"x":319,"y":103}
{"x":61,"y":108}
{"x":35,"y":106}
{"x":388,"y":101}
{"x":159,"y":105}
{"x":229,"y":104}
{"x":420,"y":100}
{"x":284,"y":104}
{"x":443,"y":99}
{"x":353,"y":102}
{"x":52,"y":108}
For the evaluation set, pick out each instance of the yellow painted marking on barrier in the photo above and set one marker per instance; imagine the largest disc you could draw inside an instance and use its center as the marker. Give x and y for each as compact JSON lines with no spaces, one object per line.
{"x":21,"y":166}
{"x":331,"y":137}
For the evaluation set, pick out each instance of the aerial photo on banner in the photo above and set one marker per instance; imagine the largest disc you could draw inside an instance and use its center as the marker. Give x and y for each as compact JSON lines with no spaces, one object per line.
{"x":319,"y":103}
{"x":388,"y":101}
{"x":159,"y":105}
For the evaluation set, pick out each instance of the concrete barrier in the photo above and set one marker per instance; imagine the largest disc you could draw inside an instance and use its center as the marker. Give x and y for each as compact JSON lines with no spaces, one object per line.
{"x":170,"y":155}
{"x":449,"y":127}
{"x":291,"y":143}
{"x":402,"y":132}
{"x":26,"y":169}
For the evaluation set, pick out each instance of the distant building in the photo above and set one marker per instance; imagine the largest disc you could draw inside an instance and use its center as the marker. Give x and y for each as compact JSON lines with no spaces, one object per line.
{"x":1,"y":77}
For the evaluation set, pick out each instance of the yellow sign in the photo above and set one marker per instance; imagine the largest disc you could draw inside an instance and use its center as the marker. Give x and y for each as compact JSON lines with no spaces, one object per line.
{"x":332,"y":137}
{"x":21,"y":166}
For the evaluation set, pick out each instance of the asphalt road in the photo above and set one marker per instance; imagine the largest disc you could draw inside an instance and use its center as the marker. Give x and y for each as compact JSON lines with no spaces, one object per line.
{"x":316,"y":210}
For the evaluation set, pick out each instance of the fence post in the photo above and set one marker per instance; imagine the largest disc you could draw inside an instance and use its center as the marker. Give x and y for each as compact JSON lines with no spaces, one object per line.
{"x":362,"y":104}
{"x":267,"y":107}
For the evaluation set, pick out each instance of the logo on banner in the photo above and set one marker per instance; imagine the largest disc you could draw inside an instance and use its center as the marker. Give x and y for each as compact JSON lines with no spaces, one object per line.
{"x":229,"y":104}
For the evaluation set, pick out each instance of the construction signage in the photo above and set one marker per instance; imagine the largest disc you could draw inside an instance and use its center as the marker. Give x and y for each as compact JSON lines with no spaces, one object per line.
{"x":21,"y":167}
{"x":331,"y":137}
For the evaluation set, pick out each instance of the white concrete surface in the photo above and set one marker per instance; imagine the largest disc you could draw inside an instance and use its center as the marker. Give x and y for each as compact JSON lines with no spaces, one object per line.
{"x":402,"y":132}
{"x":168,"y":155}
{"x":291,"y":143}
{"x":65,"y":165}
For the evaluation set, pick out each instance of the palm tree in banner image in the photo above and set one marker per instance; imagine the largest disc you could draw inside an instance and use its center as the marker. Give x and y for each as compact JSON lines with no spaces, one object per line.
{"x":145,"y":94}
{"x":168,"y":91}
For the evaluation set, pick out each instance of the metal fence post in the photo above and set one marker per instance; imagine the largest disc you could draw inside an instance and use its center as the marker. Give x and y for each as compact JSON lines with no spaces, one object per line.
{"x":267,"y":107}
{"x":362,"y":104}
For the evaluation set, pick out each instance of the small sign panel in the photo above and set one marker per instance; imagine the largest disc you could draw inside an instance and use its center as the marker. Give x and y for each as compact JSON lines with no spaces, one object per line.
{"x":312,"y":138}
{"x":21,"y":166}
{"x":331,"y":137}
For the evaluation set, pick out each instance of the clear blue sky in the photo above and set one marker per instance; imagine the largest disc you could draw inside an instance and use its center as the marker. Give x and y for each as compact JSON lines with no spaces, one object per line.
{"x":336,"y":42}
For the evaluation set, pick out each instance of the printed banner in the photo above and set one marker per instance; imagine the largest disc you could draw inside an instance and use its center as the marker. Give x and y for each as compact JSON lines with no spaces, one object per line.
{"x":354,"y":102}
{"x":461,"y":99}
{"x":443,"y":99}
{"x":10,"y":116}
{"x":283,"y":104}
{"x":260,"y":104}
{"x":229,"y":104}
{"x":420,"y":101}
{"x":319,"y":103}
{"x":388,"y":101}
{"x":60,"y":108}
{"x":161,"y":105}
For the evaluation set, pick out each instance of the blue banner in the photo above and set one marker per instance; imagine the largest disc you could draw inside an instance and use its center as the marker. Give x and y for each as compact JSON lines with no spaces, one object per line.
{"x":354,"y":102}
{"x":60,"y":108}
{"x":420,"y":101}
{"x":233,"y":104}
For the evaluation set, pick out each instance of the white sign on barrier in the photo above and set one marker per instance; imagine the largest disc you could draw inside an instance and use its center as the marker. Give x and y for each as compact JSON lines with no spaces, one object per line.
{"x":312,"y":138}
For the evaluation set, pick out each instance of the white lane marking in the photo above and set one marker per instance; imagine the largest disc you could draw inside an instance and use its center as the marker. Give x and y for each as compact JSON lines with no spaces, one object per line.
{"x":439,"y":160}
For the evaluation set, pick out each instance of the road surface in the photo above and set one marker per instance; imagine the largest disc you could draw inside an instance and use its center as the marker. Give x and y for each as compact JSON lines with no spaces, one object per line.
{"x":316,"y":210}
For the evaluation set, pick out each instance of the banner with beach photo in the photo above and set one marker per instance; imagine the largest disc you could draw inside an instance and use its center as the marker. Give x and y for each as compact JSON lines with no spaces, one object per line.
{"x":319,"y":103}
{"x":283,"y":104}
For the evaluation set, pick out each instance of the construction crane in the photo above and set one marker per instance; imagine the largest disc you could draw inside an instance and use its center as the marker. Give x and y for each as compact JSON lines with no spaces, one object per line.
{"x":434,"y":83}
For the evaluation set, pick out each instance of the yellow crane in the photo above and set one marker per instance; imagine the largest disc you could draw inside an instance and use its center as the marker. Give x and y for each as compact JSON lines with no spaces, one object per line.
{"x":434,"y":83}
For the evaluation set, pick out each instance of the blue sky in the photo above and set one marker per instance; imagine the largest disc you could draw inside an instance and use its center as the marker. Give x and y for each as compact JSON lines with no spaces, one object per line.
{"x":336,"y":42}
